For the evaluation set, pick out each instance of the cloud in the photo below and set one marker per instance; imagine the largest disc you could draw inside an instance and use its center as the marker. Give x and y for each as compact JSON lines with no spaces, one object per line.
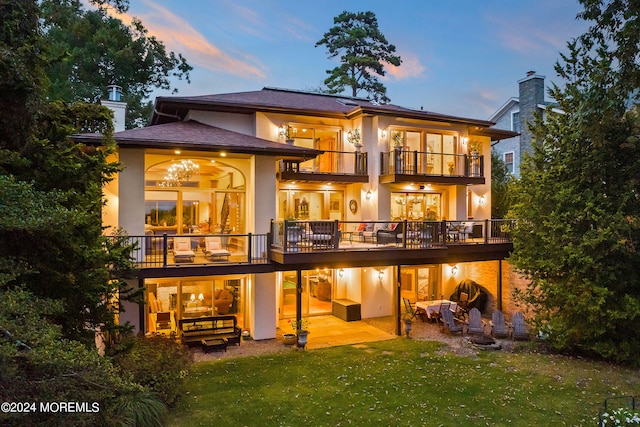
{"x":410,"y":67}
{"x":528,"y":32}
{"x":179,"y":36}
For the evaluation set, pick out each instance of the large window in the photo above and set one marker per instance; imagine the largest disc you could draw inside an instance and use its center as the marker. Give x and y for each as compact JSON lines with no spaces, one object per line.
{"x":320,"y":138}
{"x":310,"y":204}
{"x":318,"y":288}
{"x":176,"y":299}
{"x":437,"y":152}
{"x":416,"y":206}
{"x":210,"y":198}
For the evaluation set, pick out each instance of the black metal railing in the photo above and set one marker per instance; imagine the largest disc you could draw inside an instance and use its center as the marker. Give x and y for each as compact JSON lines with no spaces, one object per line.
{"x":330,"y":162}
{"x":158,"y":251}
{"x":311,"y":236}
{"x":408,"y":162}
{"x":153,"y":251}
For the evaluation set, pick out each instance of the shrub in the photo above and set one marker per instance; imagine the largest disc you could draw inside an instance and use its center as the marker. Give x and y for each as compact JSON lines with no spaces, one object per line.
{"x":157,"y":363}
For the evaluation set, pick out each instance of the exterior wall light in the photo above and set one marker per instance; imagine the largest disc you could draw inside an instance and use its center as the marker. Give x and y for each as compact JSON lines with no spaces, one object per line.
{"x":454,"y":270}
{"x":368,"y":195}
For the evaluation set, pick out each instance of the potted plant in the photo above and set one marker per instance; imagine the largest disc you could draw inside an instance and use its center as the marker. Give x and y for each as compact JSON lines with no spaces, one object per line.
{"x":397,"y":139}
{"x":408,"y":322}
{"x":353,"y":137}
{"x":301,"y":330}
{"x":475,"y":147}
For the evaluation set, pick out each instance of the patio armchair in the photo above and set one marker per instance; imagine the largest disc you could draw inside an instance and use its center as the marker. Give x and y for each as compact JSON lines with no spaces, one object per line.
{"x":465,"y":230}
{"x":393,"y":234}
{"x":519,"y":331}
{"x":498,"y":325}
{"x":476,"y":325}
{"x":324,"y":234}
{"x":449,"y":322}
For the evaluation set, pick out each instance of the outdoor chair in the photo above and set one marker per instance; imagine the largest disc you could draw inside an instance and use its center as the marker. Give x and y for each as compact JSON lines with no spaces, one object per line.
{"x":465,"y":230}
{"x":498,"y":326}
{"x":182,"y":249}
{"x":213,"y":248}
{"x":412,"y":312}
{"x":450,"y":323}
{"x":476,"y":325}
{"x":437,"y":316}
{"x":323,"y":235}
{"x":519,"y":331}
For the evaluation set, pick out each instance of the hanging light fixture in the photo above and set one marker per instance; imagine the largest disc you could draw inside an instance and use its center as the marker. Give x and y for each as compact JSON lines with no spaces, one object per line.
{"x":180,"y":172}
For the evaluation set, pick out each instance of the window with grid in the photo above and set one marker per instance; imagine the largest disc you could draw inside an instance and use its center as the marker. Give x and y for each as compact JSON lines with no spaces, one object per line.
{"x":508,"y":161}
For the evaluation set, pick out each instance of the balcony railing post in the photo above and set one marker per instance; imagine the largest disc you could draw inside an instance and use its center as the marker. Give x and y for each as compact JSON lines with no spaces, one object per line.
{"x":443,"y":232}
{"x":249,"y":247}
{"x":165,"y":248}
{"x":404,"y":233}
{"x":487,"y":231}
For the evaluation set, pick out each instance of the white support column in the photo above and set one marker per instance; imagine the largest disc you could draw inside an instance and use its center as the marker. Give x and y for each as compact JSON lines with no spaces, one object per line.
{"x":263,"y":297}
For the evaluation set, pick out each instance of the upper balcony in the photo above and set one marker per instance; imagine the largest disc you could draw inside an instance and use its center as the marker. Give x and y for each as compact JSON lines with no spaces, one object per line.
{"x":310,"y":244}
{"x":399,"y":166}
{"x":333,"y":166}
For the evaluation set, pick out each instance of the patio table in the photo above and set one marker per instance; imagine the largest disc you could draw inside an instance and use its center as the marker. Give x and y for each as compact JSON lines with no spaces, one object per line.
{"x":433,"y":307}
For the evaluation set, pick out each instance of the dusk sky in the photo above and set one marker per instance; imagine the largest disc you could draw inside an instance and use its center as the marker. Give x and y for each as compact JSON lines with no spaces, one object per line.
{"x":459,"y":57}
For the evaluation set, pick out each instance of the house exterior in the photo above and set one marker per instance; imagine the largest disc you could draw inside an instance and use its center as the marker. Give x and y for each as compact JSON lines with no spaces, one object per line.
{"x":514,"y":115}
{"x":277,"y":204}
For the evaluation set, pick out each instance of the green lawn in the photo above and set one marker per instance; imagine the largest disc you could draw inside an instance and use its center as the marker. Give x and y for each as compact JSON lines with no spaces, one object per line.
{"x":400,"y":382}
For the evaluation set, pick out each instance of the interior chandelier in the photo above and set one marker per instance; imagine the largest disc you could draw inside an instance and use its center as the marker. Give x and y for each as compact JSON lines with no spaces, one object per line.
{"x":179,"y":173}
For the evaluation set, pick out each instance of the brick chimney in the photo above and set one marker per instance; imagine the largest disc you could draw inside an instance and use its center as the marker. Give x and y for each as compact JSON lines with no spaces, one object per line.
{"x":531,"y":95}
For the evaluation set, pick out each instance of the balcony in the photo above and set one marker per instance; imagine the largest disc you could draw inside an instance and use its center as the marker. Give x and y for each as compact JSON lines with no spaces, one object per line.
{"x":440,"y":168}
{"x":309,"y":244}
{"x":333,"y":166}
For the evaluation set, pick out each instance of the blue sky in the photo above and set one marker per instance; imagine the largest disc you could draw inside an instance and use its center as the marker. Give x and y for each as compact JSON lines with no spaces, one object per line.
{"x":460,"y":57}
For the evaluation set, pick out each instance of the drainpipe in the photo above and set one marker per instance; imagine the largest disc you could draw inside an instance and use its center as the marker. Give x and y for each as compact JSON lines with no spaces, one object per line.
{"x":298,"y":299}
{"x":499,"y":302}
{"x":398,"y":306}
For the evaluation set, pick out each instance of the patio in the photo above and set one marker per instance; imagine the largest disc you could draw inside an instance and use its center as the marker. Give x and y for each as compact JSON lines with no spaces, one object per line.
{"x":329,"y":331}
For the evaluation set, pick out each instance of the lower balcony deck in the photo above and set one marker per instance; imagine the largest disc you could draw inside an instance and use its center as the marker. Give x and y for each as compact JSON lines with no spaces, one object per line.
{"x":294,"y":245}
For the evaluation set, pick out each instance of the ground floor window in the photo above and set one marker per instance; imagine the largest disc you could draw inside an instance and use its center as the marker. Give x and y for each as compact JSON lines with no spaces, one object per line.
{"x":318,"y":289}
{"x":169,"y":300}
{"x":420,"y":283}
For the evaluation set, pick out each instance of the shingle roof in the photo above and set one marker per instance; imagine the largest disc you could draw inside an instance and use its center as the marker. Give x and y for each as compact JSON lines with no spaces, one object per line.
{"x":198,"y":136}
{"x":294,"y":102}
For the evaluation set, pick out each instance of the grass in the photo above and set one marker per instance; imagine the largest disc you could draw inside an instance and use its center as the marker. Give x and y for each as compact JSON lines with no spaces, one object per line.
{"x":400,"y":382}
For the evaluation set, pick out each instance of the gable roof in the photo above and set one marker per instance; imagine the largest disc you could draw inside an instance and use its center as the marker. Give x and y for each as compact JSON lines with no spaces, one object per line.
{"x":193,"y":135}
{"x":276,"y":100}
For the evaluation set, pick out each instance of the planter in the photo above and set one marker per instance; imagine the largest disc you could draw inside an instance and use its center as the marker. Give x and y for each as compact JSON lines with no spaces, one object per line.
{"x":289,"y":339}
{"x":407,"y":326}
{"x":302,"y":339}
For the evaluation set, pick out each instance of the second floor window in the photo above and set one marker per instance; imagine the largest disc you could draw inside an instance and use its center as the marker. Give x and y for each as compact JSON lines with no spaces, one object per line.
{"x":515,"y":121}
{"x":508,"y":161}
